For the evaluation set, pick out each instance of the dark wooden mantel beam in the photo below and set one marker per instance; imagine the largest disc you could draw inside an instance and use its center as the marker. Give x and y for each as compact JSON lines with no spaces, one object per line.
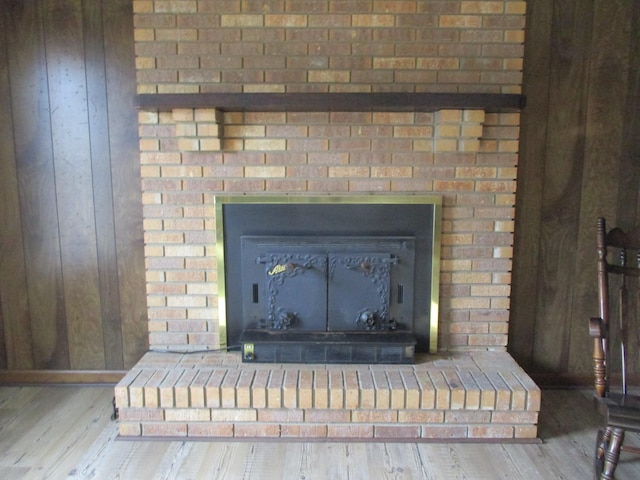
{"x":334,"y":102}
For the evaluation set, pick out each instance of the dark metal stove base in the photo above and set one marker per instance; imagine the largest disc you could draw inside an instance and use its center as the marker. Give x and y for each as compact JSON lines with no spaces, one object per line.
{"x":259,"y":346}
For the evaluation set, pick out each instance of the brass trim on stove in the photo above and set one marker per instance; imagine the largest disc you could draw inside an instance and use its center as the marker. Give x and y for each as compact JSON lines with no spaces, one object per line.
{"x":435,"y":200}
{"x":435,"y":277}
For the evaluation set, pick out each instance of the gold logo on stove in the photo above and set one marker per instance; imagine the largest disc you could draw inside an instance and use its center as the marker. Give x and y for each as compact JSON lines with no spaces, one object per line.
{"x":277,"y":269}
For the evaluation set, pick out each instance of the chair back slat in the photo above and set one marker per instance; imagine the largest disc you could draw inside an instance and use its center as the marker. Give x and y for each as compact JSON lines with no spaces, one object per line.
{"x":618,"y":269}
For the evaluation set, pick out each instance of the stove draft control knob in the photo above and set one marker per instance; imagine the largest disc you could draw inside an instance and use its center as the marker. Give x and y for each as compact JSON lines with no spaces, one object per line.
{"x":284,"y":319}
{"x":366,"y":319}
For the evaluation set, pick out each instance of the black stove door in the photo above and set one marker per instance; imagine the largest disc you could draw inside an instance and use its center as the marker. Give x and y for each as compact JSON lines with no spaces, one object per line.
{"x":359,"y":291}
{"x":289,"y":293}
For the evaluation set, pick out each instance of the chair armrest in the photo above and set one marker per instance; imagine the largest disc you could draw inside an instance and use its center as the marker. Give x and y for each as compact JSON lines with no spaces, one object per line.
{"x":597,"y":328}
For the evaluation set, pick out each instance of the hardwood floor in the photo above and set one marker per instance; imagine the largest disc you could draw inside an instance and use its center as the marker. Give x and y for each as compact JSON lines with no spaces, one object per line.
{"x":67,"y":433}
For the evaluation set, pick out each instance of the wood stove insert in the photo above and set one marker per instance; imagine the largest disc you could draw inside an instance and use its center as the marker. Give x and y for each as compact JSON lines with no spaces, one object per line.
{"x":329,"y":279}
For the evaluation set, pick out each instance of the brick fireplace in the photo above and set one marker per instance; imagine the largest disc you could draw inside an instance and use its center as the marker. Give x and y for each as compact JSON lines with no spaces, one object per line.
{"x":203,"y":67}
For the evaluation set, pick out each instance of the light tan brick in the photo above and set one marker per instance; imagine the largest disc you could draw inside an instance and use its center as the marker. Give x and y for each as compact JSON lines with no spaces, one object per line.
{"x":234,"y":415}
{"x":274,"y":389}
{"x":290,"y":389}
{"x":336,"y":389}
{"x":129,"y":429}
{"x":228,"y":389}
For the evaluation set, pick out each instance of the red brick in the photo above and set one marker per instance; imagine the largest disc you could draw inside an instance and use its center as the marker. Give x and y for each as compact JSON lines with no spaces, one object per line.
{"x":327,"y":416}
{"x":374,"y":416}
{"x":255,"y":430}
{"x":140,"y":414}
{"x":397,"y":431}
{"x":209,"y":429}
{"x":491,"y":431}
{"x":350,"y":431}
{"x":164,"y":429}
{"x":467,"y":417}
{"x":515,"y":417}
{"x":444,"y":431}
{"x":304,"y":431}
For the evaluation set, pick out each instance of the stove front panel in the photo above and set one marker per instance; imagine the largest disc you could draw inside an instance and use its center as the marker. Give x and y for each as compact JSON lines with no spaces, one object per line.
{"x":327,"y":284}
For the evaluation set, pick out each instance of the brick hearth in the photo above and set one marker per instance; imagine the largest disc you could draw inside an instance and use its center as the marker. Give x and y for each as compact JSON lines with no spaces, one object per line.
{"x":477,"y":395}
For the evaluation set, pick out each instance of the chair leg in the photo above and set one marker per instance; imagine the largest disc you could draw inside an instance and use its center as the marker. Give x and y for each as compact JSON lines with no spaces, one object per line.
{"x":612,"y":453}
{"x":602,"y":442}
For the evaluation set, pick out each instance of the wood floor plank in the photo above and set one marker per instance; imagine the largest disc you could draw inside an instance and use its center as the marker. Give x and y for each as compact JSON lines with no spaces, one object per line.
{"x":223,"y":460}
{"x":393,"y":461}
{"x":190,"y":458}
{"x":263,"y":462}
{"x":19,"y":415}
{"x":300,"y":462}
{"x":90,"y":413}
{"x":53,"y":428}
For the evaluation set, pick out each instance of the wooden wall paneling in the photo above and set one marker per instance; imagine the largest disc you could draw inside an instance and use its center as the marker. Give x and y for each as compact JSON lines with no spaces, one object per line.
{"x":14,"y":304}
{"x":98,"y":113}
{"x":125,"y":170}
{"x":562,"y":182}
{"x":628,"y":201}
{"x":36,"y":183}
{"x":530,"y":186}
{"x":608,"y":55}
{"x":3,"y":338}
{"x":74,"y":183}
{"x":628,"y":204}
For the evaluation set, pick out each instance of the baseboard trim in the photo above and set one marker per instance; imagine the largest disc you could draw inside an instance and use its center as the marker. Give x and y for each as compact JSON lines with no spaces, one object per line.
{"x":556,"y":380}
{"x":447,"y":440}
{"x":566,"y":380}
{"x":60,"y":377}
{"x":31,"y":377}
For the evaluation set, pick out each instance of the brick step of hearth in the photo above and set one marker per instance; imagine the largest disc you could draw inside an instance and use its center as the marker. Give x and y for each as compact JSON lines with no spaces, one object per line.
{"x":476,"y":395}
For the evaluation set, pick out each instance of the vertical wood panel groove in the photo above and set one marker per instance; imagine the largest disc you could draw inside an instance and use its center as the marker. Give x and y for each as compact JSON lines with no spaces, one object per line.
{"x":123,"y":138}
{"x":102,"y":186}
{"x":66,"y":70}
{"x":15,"y":347}
{"x":34,"y":160}
{"x":530,"y":182}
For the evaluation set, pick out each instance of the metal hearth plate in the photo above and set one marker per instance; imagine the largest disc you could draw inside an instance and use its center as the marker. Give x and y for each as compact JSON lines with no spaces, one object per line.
{"x":260,"y":346}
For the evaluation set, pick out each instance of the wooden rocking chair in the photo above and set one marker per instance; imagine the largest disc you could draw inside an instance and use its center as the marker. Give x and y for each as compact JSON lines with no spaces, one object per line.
{"x":618,"y":279}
